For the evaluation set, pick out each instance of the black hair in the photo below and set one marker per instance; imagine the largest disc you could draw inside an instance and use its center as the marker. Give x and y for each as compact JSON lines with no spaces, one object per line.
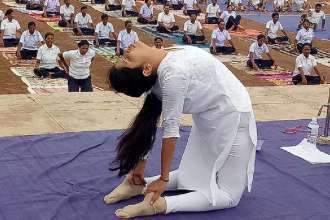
{"x":310,"y":45}
{"x":31,"y":23}
{"x":9,"y":11}
{"x":104,"y":16}
{"x":158,"y":38}
{"x":275,"y":14}
{"x":318,"y":5}
{"x":260,"y":36}
{"x":146,"y":1}
{"x":220,"y":21}
{"x":138,"y":139}
{"x":128,"y":22}
{"x":83,"y":7}
{"x":49,"y":34}
{"x":192,"y":14}
{"x":82,"y":43}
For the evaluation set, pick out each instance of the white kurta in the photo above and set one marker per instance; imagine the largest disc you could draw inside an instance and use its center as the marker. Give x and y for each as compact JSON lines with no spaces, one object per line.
{"x":192,"y":81}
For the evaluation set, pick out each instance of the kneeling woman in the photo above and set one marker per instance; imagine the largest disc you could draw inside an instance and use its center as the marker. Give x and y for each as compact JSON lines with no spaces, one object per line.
{"x":306,"y":71}
{"x":221,"y":147}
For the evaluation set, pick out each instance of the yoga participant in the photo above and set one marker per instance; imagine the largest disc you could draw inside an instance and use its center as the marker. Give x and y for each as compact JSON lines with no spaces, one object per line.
{"x":316,"y":17}
{"x":232,"y":20}
{"x":146,"y":15}
{"x":303,"y":18}
{"x":191,"y":6}
{"x":2,"y":15}
{"x":212,"y":13}
{"x":299,"y":5}
{"x":272,"y":27}
{"x":51,"y":8}
{"x":126,"y":37}
{"x":83,"y":23}
{"x":29,"y":43}
{"x":67,"y":14}
{"x":35,"y":5}
{"x":80,"y":60}
{"x":237,"y":4}
{"x":129,"y":8}
{"x":257,"y":49}
{"x":306,"y":71}
{"x":158,"y":42}
{"x":193,"y":31}
{"x":218,"y":162}
{"x":304,"y":36}
{"x":175,"y":4}
{"x":281,"y":5}
{"x":105,"y":33}
{"x":112,"y":5}
{"x":218,"y":39}
{"x":9,"y":30}
{"x":166,"y":21}
{"x":258,"y":5}
{"x":47,"y":60}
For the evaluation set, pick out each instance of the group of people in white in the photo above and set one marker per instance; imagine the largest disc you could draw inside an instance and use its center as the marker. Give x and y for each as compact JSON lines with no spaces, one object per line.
{"x":31,"y":44}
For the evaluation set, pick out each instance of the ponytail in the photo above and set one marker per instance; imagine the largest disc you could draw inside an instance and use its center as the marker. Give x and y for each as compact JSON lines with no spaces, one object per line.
{"x":138,"y":139}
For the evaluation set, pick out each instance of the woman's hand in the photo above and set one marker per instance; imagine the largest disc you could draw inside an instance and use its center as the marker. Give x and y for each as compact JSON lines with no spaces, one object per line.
{"x":136,"y":176}
{"x":304,"y":81}
{"x":157,"y":187}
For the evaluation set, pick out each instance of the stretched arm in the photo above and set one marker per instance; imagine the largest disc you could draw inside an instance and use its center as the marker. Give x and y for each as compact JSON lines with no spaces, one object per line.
{"x":118,"y":48}
{"x":270,"y":57}
{"x":96,"y":39}
{"x":37,"y":64}
{"x":63,"y":61}
{"x":251,"y":57}
{"x":18,"y":51}
{"x":1,"y":38}
{"x":316,"y":70}
{"x":323,"y":24}
{"x":231,"y":43}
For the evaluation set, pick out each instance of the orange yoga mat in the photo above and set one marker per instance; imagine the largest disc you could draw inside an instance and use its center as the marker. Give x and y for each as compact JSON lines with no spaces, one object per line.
{"x":48,"y":19}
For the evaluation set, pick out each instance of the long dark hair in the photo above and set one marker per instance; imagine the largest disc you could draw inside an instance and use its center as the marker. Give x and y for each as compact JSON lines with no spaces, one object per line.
{"x":139,"y":138}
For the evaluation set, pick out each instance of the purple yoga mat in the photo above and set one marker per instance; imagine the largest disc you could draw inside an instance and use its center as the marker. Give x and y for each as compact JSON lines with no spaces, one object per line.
{"x":65,"y":176}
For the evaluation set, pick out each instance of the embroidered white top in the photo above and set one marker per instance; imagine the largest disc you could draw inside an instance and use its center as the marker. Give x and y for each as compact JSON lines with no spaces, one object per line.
{"x":306,"y":63}
{"x":31,"y":41}
{"x":48,"y":56}
{"x":192,"y":28}
{"x":126,"y":38}
{"x":220,"y":37}
{"x":305,"y":36}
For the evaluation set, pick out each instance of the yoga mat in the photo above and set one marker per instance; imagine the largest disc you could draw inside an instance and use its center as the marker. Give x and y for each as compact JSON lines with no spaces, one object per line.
{"x":108,"y":53}
{"x":246,"y":33}
{"x":26,"y":11}
{"x":65,"y":176}
{"x":278,"y":78}
{"x":54,"y":25}
{"x":43,"y":19}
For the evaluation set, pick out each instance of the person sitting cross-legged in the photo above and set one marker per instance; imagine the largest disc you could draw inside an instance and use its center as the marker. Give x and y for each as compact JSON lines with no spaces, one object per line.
{"x":29,"y":43}
{"x":191,"y":7}
{"x":238,"y":5}
{"x":67,"y":15}
{"x":281,"y":5}
{"x":212,"y":13}
{"x":299,"y":5}
{"x":146,"y":15}
{"x":306,"y":71}
{"x":83,"y":23}
{"x":129,"y":8}
{"x":304,"y":36}
{"x":9,"y":30}
{"x":126,"y":37}
{"x":232,"y":20}
{"x":166,"y":21}
{"x":258,"y":5}
{"x":175,"y":4}
{"x":35,"y":5}
{"x":112,"y":5}
{"x":48,"y":61}
{"x":51,"y":8}
{"x":191,"y":31}
{"x":219,"y":37}
{"x":272,"y":27}
{"x":257,"y":49}
{"x":317,"y":17}
{"x":105,"y":33}
{"x":158,"y":42}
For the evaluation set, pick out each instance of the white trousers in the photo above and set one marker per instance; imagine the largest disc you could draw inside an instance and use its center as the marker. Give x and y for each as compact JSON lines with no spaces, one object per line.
{"x":231,"y":178}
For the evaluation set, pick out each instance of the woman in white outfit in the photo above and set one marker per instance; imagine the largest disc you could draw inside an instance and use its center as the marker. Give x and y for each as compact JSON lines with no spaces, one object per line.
{"x":218,"y":162}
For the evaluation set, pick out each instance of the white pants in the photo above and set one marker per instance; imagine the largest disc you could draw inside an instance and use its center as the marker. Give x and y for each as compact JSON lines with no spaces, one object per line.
{"x":231,"y":178}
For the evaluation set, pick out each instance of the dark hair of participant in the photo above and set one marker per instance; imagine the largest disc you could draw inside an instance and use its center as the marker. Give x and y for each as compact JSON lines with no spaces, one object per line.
{"x":318,"y":5}
{"x":138,"y":139}
{"x":275,"y":14}
{"x":104,"y":16}
{"x":307,"y":45}
{"x":191,"y":14}
{"x":9,"y":11}
{"x":220,"y":20}
{"x":83,"y":43}
{"x":49,"y":34}
{"x":128,"y":22}
{"x":146,"y":1}
{"x":83,"y":7}
{"x":260,"y":36}
{"x":158,"y":38}
{"x":31,"y":23}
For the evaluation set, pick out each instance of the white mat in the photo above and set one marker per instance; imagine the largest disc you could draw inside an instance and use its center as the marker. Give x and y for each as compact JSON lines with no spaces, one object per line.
{"x":306,"y":151}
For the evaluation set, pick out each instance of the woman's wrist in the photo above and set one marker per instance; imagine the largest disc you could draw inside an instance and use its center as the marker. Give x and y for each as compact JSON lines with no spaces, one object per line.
{"x":164,"y":179}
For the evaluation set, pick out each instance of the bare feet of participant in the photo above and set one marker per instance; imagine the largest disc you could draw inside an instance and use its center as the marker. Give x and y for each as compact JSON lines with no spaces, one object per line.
{"x":143,"y":208}
{"x":124,"y":191}
{"x":240,"y":28}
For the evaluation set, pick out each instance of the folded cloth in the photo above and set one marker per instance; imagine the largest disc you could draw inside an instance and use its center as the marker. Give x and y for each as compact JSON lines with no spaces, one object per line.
{"x":308,"y":152}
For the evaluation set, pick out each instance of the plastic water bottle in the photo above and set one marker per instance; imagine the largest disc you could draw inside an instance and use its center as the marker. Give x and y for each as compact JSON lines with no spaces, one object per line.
{"x":313,"y":131}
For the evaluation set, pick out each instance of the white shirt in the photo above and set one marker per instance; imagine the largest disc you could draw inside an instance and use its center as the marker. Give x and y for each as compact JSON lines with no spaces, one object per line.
{"x":193,"y":81}
{"x":236,"y":2}
{"x":129,"y":4}
{"x":190,"y":4}
{"x":258,"y":51}
{"x":316,"y":17}
{"x":220,"y":37}
{"x":48,"y":56}
{"x":83,"y":21}
{"x":166,"y":18}
{"x":192,"y":28}
{"x":66,"y":11}
{"x":104,"y":30}
{"x":31,"y":41}
{"x":127,"y":39}
{"x":34,"y":1}
{"x":307,"y":64}
{"x":112,"y":2}
{"x":305,"y":36}
{"x":2,"y":15}
{"x":279,"y":2}
{"x":146,"y":11}
{"x":273,"y":28}
{"x":255,"y":2}
{"x":9,"y":28}
{"x":299,"y":2}
{"x":174,"y":2}
{"x":212,"y":10}
{"x":225,"y":15}
{"x":51,"y":5}
{"x":79,"y":64}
